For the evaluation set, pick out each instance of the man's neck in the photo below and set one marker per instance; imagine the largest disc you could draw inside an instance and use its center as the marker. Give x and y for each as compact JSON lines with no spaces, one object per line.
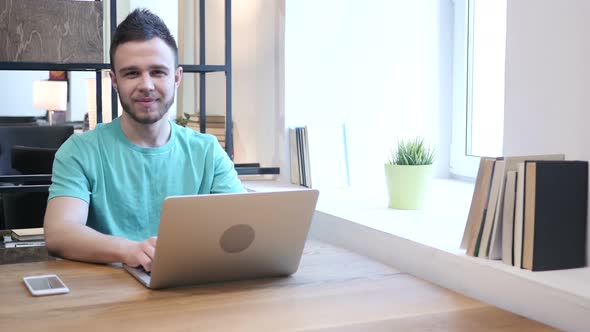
{"x":146,"y":135}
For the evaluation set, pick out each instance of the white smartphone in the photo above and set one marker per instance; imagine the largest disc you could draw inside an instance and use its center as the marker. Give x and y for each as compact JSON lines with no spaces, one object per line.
{"x":45,"y":285}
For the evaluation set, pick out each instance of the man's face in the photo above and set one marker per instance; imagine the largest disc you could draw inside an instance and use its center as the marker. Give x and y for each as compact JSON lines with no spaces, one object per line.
{"x":146,"y":78}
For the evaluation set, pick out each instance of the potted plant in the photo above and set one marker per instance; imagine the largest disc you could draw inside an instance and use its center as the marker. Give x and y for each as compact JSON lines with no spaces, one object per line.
{"x":183,"y":121}
{"x":408,"y":174}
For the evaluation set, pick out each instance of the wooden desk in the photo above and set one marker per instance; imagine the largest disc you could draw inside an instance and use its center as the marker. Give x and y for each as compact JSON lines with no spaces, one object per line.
{"x":334,"y":290}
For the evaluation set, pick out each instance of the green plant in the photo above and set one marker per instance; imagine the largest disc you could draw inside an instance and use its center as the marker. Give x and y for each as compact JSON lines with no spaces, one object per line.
{"x":412,"y":152}
{"x":183,"y":121}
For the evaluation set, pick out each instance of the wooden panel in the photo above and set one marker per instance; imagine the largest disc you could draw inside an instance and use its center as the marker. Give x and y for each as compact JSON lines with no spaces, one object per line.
{"x":334,"y":290}
{"x":51,"y":31}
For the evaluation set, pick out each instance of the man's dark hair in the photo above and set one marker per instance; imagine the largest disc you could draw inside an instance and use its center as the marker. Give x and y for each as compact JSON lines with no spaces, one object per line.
{"x":142,"y":25}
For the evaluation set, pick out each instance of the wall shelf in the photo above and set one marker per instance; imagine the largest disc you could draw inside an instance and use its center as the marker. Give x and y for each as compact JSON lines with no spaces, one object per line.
{"x":203,"y":68}
{"x":257,"y":170}
{"x":37,"y":66}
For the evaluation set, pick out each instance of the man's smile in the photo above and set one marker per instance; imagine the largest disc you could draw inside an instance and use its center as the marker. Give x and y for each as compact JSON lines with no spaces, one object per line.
{"x":146,"y":101}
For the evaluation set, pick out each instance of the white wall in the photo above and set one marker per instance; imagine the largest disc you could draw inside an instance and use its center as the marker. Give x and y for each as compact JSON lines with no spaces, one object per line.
{"x":258,"y":85}
{"x":411,"y":81}
{"x":166,"y":10}
{"x":547,"y":78}
{"x":257,"y":67}
{"x":78,"y":94}
{"x":383,"y":67}
{"x":16,"y":92}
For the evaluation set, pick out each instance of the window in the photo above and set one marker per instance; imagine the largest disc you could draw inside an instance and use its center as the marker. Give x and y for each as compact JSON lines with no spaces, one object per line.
{"x":370,"y":72}
{"x":478,"y":85}
{"x":364,"y":74}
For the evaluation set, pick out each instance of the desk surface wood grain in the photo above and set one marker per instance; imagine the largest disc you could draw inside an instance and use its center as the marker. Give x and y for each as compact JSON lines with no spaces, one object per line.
{"x":334,"y":290}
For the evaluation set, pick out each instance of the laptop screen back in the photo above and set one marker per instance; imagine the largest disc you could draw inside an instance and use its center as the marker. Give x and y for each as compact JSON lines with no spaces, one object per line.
{"x":220,"y":237}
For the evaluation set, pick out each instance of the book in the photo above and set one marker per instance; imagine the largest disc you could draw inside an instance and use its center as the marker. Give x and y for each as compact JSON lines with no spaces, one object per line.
{"x":299,"y":150}
{"x":209,"y":118}
{"x":300,"y":154}
{"x":495,"y":241}
{"x":208,"y":129}
{"x":490,"y":215}
{"x":220,"y":132}
{"x":215,"y":125}
{"x":22,"y":244}
{"x":508,"y":217}
{"x":495,"y":247}
{"x":217,"y":131}
{"x":478,"y":205}
{"x":518,"y":217}
{"x":307,"y":162}
{"x":28,"y":234}
{"x":555,"y":215}
{"x":197,"y":124}
{"x":474,"y":208}
{"x":294,"y":158}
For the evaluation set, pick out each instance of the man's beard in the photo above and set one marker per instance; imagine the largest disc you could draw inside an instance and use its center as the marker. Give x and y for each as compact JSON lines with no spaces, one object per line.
{"x":148,"y":120}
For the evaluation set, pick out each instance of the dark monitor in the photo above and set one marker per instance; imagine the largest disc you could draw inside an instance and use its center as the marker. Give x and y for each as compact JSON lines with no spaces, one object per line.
{"x":31,"y":146}
{"x":32,"y":160}
{"x":26,"y":150}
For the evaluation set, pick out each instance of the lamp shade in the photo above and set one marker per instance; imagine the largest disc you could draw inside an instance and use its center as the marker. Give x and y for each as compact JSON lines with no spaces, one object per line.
{"x":50,"y":95}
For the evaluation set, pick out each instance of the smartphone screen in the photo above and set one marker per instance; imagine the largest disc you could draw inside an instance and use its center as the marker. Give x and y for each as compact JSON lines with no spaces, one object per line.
{"x":45,"y":285}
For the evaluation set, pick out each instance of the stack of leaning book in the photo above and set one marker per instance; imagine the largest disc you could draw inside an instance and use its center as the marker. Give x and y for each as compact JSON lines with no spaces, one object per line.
{"x":530,"y":212}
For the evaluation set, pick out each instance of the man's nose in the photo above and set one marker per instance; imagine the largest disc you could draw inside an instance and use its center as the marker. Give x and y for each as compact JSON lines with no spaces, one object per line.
{"x":146,"y":83}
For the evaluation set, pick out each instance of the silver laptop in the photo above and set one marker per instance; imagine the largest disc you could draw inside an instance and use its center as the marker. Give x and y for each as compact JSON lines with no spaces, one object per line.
{"x":221,"y":237}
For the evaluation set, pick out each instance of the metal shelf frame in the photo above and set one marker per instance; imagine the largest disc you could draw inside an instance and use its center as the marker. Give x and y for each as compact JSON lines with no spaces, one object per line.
{"x":201,"y":69}
{"x":38,"y":66}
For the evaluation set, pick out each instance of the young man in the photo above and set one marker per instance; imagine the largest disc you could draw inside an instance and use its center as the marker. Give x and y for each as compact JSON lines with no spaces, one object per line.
{"x":109,"y":183}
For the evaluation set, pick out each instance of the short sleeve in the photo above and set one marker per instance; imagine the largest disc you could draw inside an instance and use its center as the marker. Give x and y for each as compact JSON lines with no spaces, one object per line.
{"x":69,"y":176}
{"x":225,"y":178}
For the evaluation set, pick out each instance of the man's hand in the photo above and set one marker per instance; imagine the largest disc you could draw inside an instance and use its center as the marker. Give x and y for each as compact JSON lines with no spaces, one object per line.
{"x":67,"y":236}
{"x":141,"y":253}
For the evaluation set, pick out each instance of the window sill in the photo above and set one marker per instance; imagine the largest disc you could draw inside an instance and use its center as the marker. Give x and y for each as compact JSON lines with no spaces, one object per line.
{"x":426,"y":244}
{"x":440,"y":225}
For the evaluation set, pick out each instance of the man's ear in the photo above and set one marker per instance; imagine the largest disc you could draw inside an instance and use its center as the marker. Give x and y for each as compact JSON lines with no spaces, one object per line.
{"x":113,"y":80}
{"x":178,"y":76}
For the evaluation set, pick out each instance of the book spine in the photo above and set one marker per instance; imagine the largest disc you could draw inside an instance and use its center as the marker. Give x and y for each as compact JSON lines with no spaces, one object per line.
{"x":529,"y":214}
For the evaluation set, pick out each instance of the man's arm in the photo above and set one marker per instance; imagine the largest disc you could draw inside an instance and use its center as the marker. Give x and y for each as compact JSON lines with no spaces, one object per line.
{"x":67,"y":235}
{"x":225,"y":178}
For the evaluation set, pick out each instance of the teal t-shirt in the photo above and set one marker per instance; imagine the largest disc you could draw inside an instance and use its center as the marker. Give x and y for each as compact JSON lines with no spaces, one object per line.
{"x":125,"y":184}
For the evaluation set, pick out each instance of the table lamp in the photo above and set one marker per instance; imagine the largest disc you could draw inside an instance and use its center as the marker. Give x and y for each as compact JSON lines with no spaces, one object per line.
{"x":53,"y":97}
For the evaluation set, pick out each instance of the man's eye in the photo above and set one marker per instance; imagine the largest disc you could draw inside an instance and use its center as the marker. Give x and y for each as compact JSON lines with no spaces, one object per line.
{"x":130,"y":74}
{"x":158,"y":73}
